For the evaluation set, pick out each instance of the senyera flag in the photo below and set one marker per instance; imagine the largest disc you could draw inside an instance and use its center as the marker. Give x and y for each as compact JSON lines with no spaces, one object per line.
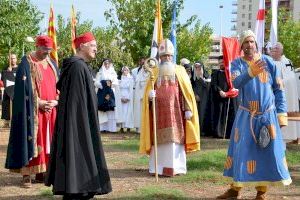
{"x":52,"y":34}
{"x":231,"y":50}
{"x":157,"y":32}
{"x":73,"y":29}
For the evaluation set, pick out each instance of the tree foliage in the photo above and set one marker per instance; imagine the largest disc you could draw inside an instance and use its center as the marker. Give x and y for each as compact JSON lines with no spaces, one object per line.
{"x":194,"y":44}
{"x":288,"y":34}
{"x":134,"y":19}
{"x":19,"y":19}
{"x":63,"y":35}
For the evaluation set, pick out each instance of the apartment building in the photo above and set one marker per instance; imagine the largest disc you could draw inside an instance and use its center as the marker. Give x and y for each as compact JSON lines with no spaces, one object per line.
{"x":245,"y":11}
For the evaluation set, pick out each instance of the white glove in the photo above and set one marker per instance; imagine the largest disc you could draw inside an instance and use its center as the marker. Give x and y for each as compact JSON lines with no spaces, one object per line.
{"x":98,"y":85}
{"x":152,"y":94}
{"x":188,"y":115}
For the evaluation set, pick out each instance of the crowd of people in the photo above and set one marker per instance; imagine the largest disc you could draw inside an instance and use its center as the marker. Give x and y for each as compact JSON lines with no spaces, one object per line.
{"x":56,"y":115}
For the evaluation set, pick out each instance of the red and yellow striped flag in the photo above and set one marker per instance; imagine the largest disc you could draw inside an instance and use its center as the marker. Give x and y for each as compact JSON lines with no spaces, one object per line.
{"x":157,"y":31}
{"x":52,"y":34}
{"x":73,"y":29}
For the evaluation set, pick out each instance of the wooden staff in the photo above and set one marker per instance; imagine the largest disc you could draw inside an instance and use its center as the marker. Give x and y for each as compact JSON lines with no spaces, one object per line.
{"x":151,"y":63}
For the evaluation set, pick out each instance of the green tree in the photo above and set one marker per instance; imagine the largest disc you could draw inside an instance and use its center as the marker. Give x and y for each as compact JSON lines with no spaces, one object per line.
{"x":63,"y":35}
{"x":19,"y":19}
{"x":133,"y":21}
{"x":108,"y":46}
{"x":194,"y":44}
{"x":288,"y":34}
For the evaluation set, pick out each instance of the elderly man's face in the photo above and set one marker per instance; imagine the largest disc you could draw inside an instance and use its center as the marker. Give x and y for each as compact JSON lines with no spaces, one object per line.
{"x":249,"y":46}
{"x":166,"y":58}
{"x":89,"y":49}
{"x":42,"y":52}
{"x":276,"y":52}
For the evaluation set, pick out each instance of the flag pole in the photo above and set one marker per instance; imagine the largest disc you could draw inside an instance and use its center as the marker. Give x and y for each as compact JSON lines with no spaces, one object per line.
{"x":226,"y":119}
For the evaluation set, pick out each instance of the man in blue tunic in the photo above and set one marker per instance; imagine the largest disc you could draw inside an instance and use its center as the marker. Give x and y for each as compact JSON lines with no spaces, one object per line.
{"x":256,"y":154}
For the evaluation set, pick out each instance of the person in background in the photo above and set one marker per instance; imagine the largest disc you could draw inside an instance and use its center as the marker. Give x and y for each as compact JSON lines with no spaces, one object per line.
{"x":189,"y":70}
{"x":34,"y":113}
{"x":136,"y":70}
{"x":220,"y":100}
{"x":139,"y":88}
{"x":77,"y":168}
{"x":201,"y":87}
{"x":8,"y":79}
{"x":108,"y":119}
{"x":126,"y":91}
{"x":184,"y":61}
{"x":290,"y":133}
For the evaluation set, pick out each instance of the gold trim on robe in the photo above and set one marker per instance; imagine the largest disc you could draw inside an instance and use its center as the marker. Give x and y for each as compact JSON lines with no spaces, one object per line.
{"x":192,"y":130}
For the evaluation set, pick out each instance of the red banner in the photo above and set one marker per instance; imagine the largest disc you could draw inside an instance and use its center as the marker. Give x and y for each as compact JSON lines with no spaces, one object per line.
{"x":231,"y":50}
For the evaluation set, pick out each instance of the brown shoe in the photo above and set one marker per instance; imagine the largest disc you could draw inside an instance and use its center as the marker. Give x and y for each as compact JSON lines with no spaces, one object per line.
{"x":26,"y":182}
{"x":261,"y":195}
{"x":230,"y":194}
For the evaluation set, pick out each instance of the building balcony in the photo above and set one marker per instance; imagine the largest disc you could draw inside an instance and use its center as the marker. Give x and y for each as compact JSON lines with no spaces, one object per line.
{"x":233,"y":28}
{"x":234,"y":3}
{"x":234,"y":12}
{"x":233,"y":20}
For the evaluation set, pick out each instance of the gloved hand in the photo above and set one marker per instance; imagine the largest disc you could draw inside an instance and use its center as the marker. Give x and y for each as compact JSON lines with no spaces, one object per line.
{"x":152,"y":94}
{"x":188,"y":115}
{"x":257,"y":67}
{"x":98,"y":85}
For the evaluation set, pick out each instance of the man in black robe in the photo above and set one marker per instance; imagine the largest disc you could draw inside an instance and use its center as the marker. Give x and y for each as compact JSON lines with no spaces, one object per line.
{"x":8,"y":78}
{"x":201,"y":87}
{"x":77,"y":167}
{"x":220,"y":103}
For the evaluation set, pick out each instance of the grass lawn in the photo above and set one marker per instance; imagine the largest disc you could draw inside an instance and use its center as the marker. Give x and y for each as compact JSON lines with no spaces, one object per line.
{"x":131,"y":180}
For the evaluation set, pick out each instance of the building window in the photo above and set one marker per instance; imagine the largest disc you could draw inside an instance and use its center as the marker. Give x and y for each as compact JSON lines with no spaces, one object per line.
{"x":249,"y":25}
{"x":250,"y":7}
{"x":243,"y":15}
{"x":243,"y":23}
{"x":250,"y":1}
{"x":250,"y":16}
{"x":244,"y":6}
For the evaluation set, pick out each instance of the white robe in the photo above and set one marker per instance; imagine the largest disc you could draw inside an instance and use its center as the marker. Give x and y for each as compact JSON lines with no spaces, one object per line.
{"x":292,"y":131}
{"x":169,"y":155}
{"x":134,"y":73}
{"x":126,"y":91}
{"x":108,"y":120}
{"x":140,"y":84}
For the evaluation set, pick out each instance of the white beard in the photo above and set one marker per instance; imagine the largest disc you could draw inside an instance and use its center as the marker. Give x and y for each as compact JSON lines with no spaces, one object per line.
{"x":166,"y":72}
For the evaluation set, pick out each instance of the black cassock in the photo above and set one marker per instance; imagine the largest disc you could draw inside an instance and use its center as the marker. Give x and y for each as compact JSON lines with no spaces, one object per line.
{"x":220,"y":105}
{"x":8,"y":78}
{"x":202,"y":88}
{"x":77,"y":167}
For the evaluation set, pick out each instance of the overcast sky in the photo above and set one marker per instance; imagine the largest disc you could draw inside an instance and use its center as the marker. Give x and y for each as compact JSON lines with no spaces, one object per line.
{"x":208,"y":11}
